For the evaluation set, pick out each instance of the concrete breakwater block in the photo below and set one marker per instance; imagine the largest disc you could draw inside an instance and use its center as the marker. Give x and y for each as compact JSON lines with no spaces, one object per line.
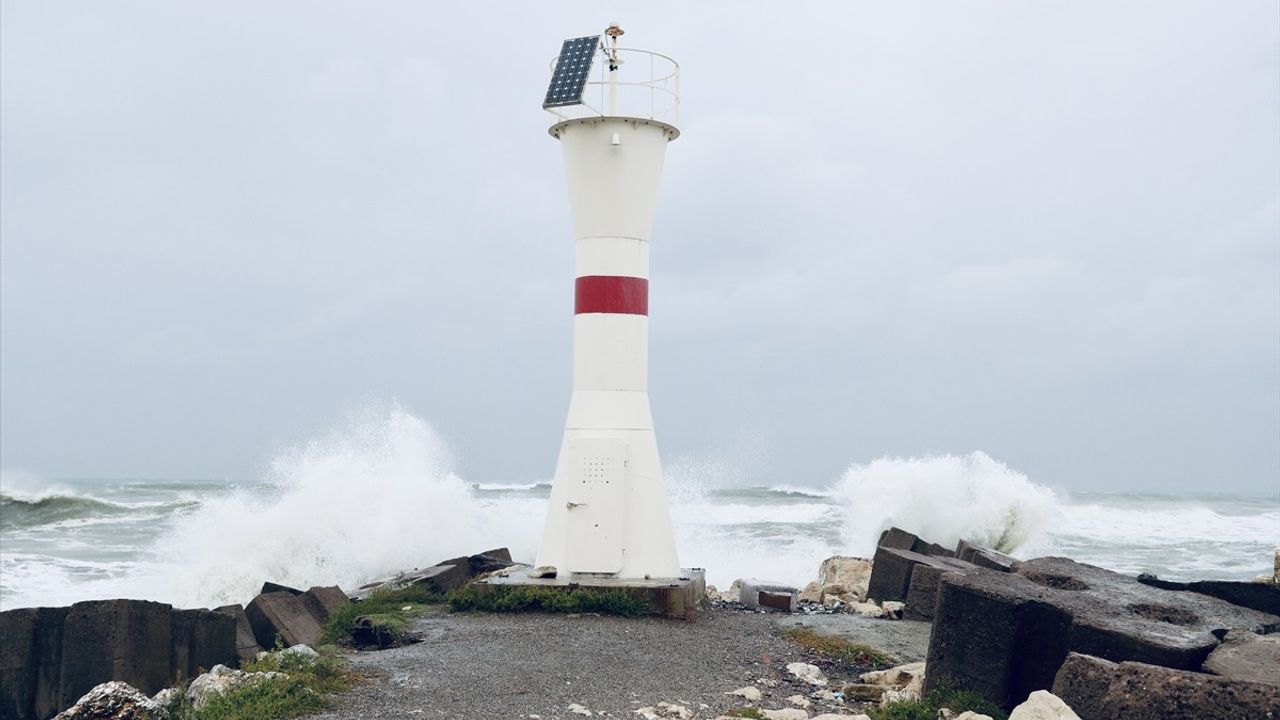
{"x":1246,"y":656}
{"x":295,"y":619}
{"x":1259,"y":596}
{"x":1098,"y":689}
{"x":247,"y":647}
{"x":445,"y":576}
{"x":50,"y":657}
{"x":1006,"y":634}
{"x":891,"y":570}
{"x":768,"y":594}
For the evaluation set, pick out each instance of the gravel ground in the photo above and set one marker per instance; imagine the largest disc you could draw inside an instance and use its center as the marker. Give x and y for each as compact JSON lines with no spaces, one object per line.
{"x":511,"y":666}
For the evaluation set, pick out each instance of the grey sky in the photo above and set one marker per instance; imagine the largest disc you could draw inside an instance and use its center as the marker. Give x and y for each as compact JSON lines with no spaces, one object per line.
{"x":1049,"y":231}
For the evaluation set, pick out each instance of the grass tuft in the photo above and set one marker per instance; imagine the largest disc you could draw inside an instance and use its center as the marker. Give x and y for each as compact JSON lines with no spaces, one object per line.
{"x":388,"y":605}
{"x":839,"y":649}
{"x":747,"y":712}
{"x":305,"y":690}
{"x":958,"y":701}
{"x":545,"y":599}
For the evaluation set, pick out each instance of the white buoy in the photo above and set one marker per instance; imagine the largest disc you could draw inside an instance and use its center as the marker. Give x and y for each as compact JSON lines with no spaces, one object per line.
{"x":608,"y":514}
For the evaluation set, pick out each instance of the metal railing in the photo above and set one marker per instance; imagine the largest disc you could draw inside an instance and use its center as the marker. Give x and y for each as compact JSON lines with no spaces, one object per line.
{"x":646,"y":84}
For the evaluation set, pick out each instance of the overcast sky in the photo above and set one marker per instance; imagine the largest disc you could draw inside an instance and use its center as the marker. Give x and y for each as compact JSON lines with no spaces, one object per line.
{"x":1048,"y":231}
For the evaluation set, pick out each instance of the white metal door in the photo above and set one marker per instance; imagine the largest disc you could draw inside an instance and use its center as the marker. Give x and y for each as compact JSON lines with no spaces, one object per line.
{"x":598,"y":471}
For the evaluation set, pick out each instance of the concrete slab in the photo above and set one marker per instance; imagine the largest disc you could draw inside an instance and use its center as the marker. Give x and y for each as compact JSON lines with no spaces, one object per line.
{"x":672,"y":597}
{"x":906,"y":640}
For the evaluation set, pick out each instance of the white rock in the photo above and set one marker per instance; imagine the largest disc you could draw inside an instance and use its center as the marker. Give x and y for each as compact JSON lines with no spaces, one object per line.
{"x":868,"y":609}
{"x":166,"y":696}
{"x":832,"y":602}
{"x":301,"y":651}
{"x":767,"y":682}
{"x":807,"y":673}
{"x":810,"y":593}
{"x":750,"y":693}
{"x":114,"y":699}
{"x":837,"y":716}
{"x":1043,"y":705}
{"x":648,"y":713}
{"x":712,"y":593}
{"x":220,"y":679}
{"x":786,"y":714}
{"x":672,"y":710}
{"x":971,"y":715}
{"x":913,"y":690}
{"x":543,"y":571}
{"x":892,"y":608}
{"x":895,"y":677}
{"x":577,"y":709}
{"x":852,"y":572}
{"x":800,"y":701}
{"x":733,"y":594}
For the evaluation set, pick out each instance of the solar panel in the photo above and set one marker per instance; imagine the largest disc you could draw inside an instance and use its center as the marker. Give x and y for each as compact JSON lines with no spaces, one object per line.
{"x":572,"y":68}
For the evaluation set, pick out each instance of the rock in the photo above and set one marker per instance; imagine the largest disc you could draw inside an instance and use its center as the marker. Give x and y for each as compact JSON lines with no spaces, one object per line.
{"x":270,"y":587}
{"x":786,"y":714}
{"x":1042,"y":705}
{"x":839,"y":716}
{"x":852,"y":573}
{"x":971,"y":715}
{"x":863,"y":692}
{"x":219,"y":680}
{"x":734,"y":593}
{"x":867,"y":609}
{"x":544,"y":571}
{"x":166,"y":696}
{"x":672,"y":710}
{"x":247,"y":647}
{"x":895,"y":677}
{"x":1258,"y":596}
{"x":280,"y":614}
{"x":1005,"y":635}
{"x":577,"y":709}
{"x":750,"y":693}
{"x":1246,"y":656}
{"x":807,"y":673}
{"x":113,"y":700}
{"x":1098,"y":689}
{"x":648,"y":713}
{"x":763,"y":593}
{"x":303,"y":651}
{"x":892,"y":609}
{"x":800,"y":701}
{"x":811,"y":593}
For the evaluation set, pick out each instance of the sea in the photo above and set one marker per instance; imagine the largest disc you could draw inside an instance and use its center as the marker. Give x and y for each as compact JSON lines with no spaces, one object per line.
{"x":380,"y":494}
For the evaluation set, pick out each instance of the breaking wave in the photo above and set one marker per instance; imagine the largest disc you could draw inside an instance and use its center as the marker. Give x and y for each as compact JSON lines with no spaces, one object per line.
{"x":944,"y":498}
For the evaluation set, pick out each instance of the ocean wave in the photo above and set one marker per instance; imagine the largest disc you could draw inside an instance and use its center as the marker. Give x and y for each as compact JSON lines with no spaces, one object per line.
{"x":945,"y":498}
{"x":795,"y":491}
{"x":29,"y":510}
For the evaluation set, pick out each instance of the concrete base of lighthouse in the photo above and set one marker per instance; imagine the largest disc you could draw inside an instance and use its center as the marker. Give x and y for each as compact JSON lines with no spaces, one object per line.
{"x":672,"y":597}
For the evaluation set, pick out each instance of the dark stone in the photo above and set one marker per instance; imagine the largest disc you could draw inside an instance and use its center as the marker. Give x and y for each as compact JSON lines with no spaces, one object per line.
{"x":489,"y":561}
{"x":891,"y":572}
{"x":1098,"y":689}
{"x":784,"y":601}
{"x":922,"y":594}
{"x":270,"y":587}
{"x":444,"y":578}
{"x":126,"y":640}
{"x":285,"y":615}
{"x":932,"y":549}
{"x":321,"y":602}
{"x":17,"y":662}
{"x":1246,"y":656}
{"x":200,"y":640}
{"x":1006,"y":634}
{"x":1264,"y":597}
{"x":984,"y":557}
{"x":897,"y":539}
{"x":247,"y":647}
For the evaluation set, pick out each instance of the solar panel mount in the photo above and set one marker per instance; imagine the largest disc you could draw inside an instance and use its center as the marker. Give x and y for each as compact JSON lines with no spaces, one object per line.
{"x":573,"y":66}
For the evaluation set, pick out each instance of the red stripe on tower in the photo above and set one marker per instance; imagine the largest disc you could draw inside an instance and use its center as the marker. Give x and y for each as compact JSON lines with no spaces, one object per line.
{"x":611,"y":294}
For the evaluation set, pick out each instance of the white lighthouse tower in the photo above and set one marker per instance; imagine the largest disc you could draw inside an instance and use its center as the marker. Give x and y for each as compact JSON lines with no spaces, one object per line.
{"x":616,"y":110}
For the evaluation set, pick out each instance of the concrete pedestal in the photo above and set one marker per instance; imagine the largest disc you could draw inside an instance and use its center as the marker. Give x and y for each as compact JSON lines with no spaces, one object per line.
{"x":672,"y":597}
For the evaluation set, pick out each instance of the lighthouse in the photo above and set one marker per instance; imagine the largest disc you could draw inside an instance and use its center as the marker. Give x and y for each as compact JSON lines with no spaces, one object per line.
{"x":615,"y":110}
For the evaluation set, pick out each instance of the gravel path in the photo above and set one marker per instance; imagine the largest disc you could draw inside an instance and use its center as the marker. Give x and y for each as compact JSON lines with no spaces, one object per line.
{"x":511,"y":666}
